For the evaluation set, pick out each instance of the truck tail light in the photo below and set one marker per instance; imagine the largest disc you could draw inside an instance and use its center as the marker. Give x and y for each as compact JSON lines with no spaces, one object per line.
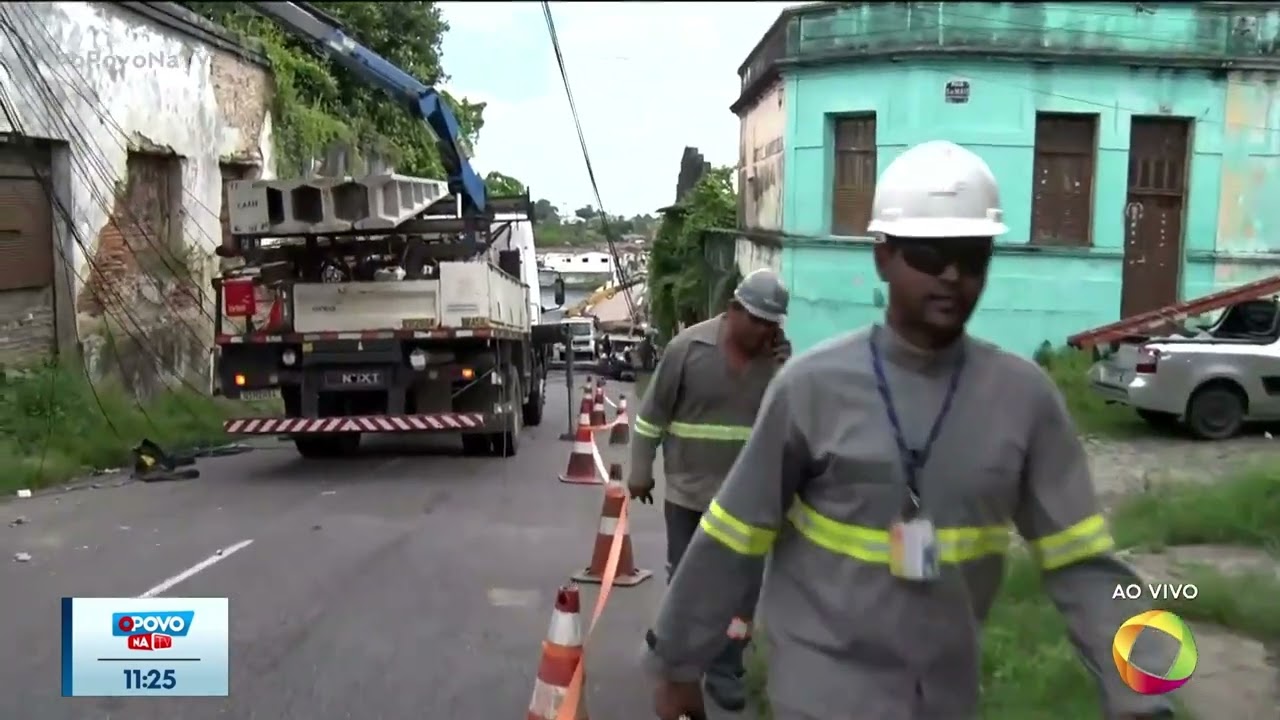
{"x":238,"y":298}
{"x":1148,"y":361}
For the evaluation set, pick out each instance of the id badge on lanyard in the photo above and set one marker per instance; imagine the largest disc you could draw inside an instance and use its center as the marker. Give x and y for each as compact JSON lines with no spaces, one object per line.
{"x":913,"y":541}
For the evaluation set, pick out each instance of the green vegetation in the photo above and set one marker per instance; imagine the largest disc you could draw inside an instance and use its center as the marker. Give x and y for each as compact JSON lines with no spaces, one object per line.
{"x":1093,"y":416}
{"x":587,"y":229}
{"x":52,"y":428}
{"x":679,"y":278}
{"x":318,"y":106}
{"x":1031,"y":671}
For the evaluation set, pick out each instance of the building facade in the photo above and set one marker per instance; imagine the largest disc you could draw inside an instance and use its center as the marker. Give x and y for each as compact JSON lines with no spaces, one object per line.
{"x":1137,"y":149}
{"x":133,"y":116}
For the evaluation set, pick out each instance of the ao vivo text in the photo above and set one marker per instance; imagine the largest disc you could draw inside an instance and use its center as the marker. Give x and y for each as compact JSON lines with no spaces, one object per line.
{"x":1156,"y":591}
{"x":151,"y":630}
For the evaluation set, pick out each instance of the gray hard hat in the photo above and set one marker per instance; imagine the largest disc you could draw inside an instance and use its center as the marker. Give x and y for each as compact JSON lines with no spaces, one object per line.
{"x":762,"y":294}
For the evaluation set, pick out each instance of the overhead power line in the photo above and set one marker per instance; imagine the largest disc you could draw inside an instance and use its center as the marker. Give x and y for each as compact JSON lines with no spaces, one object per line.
{"x":586,"y":157}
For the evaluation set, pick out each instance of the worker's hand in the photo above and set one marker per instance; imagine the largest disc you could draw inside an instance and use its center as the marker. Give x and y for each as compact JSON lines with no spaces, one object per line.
{"x":641,"y":489}
{"x":677,"y":700}
{"x":781,"y":348}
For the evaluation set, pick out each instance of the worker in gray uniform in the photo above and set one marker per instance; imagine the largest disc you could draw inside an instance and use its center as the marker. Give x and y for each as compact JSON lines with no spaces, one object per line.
{"x":881,"y":479}
{"x":699,"y":407}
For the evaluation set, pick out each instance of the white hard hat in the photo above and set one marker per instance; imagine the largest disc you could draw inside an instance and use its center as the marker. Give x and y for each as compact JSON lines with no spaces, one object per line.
{"x":937,"y":189}
{"x":762,"y":294}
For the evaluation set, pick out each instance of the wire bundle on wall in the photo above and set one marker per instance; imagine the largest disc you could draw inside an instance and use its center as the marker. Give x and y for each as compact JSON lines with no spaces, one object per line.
{"x":88,"y":164}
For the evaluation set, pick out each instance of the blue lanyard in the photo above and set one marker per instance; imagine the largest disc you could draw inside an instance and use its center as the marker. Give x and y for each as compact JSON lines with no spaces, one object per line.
{"x":913,"y":461}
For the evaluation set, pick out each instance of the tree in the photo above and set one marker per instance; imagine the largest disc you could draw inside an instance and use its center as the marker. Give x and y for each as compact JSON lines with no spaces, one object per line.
{"x":318,"y":104}
{"x":498,"y":184}
{"x":678,"y":274}
{"x":585,"y":212}
{"x":622,"y":225}
{"x":544,"y":211}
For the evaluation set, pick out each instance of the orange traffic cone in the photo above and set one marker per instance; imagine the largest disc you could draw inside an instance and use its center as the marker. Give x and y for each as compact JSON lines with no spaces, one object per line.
{"x":598,"y":419}
{"x":615,"y":495}
{"x":561,"y":655}
{"x":582,"y":459}
{"x":620,"y":434}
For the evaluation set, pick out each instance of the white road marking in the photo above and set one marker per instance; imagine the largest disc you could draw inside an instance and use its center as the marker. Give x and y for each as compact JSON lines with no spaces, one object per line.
{"x":506,"y":597}
{"x":205,"y":564}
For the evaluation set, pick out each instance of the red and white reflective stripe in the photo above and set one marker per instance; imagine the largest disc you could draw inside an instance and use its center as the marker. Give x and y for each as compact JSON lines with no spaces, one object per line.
{"x":608,"y":526}
{"x":739,"y":629}
{"x":369,"y":423}
{"x":565,"y":629}
{"x":441,"y":333}
{"x":546,"y":701}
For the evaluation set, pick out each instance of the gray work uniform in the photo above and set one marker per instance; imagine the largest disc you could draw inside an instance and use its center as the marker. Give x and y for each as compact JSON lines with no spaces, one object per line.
{"x":700,"y":411}
{"x":817,"y":486}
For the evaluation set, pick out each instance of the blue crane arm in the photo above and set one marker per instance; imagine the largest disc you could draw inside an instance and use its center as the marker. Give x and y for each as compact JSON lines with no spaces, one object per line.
{"x":418,"y":98}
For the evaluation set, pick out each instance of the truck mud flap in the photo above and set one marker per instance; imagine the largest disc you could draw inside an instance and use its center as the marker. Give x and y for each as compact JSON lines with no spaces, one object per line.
{"x":442,"y":422}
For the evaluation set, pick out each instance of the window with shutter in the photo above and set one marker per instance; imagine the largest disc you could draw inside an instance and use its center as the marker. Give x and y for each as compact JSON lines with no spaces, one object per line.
{"x":854,"y":185}
{"x":1062,"y":181}
{"x":26,"y":235}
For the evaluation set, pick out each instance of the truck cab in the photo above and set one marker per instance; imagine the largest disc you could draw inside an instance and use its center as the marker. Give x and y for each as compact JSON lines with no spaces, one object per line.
{"x":581,"y":334}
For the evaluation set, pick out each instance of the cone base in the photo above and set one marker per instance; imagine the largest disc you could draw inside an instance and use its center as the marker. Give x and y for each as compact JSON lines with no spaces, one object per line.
{"x":635,"y":578}
{"x":581,"y":480}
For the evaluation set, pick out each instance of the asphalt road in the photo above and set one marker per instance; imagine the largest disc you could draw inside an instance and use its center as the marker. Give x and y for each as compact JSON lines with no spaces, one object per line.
{"x":411,"y":582}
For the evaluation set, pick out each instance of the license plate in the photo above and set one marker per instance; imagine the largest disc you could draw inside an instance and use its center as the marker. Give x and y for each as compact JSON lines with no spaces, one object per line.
{"x":258,"y":395}
{"x":355,"y":378}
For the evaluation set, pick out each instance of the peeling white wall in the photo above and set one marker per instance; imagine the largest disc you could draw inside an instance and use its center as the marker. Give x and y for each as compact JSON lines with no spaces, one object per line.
{"x":760,"y":166}
{"x":122,"y":80}
{"x":751,"y":255}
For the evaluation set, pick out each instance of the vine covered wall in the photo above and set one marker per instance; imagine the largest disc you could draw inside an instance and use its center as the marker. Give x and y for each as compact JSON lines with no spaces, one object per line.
{"x":680,"y":278}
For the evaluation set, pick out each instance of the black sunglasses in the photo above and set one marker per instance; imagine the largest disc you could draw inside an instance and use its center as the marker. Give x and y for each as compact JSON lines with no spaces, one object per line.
{"x":970,"y":256}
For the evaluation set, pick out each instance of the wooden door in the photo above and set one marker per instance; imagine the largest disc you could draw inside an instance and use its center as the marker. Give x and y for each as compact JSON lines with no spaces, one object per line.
{"x":1153,"y":214}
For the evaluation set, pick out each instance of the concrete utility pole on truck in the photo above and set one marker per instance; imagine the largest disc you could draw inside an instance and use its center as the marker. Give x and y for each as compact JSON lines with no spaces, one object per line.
{"x":383,"y":303}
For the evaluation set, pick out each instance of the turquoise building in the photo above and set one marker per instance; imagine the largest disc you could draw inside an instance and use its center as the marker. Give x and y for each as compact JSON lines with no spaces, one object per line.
{"x":1136,"y":147}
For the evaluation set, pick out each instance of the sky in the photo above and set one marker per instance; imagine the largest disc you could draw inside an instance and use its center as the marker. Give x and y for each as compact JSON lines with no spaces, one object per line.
{"x":648,"y":79}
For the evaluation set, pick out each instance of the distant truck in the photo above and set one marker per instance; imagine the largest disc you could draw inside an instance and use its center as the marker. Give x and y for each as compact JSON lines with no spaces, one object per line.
{"x":582,"y":335}
{"x":395,"y":322}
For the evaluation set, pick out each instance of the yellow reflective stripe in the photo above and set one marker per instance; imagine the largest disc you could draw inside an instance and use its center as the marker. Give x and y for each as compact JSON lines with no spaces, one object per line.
{"x":700,"y":431}
{"x":853,"y":541}
{"x":1085,"y":539}
{"x":955,"y":545}
{"x":734,"y":534}
{"x":965,"y":544}
{"x":647,"y":429}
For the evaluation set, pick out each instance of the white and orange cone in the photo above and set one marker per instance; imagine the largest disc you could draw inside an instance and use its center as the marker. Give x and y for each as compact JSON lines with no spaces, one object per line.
{"x":615,"y":495}
{"x":561,"y":655}
{"x":598,"y":418}
{"x":620,"y":433}
{"x":582,"y":459}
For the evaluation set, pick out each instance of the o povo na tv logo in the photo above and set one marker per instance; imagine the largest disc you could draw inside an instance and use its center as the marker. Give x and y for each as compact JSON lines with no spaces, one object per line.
{"x":151,"y":630}
{"x":1148,"y":681}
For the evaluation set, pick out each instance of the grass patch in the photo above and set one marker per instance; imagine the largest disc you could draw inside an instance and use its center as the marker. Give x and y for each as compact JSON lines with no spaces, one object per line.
{"x":52,"y":428}
{"x":1241,"y":510}
{"x":1244,"y":603}
{"x":1069,"y":370}
{"x":1031,"y":671}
